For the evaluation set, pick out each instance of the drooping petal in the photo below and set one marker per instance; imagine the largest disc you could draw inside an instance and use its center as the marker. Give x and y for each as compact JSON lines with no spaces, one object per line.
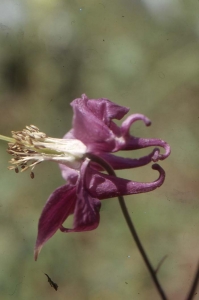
{"x":58,"y":207}
{"x":104,"y":186}
{"x":86,"y":213}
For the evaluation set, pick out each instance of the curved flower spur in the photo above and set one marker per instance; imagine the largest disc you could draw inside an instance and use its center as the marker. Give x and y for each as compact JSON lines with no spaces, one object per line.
{"x":93,"y":139}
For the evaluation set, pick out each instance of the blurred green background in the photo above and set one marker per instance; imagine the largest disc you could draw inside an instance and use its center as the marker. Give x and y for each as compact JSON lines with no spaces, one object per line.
{"x":140,"y":54}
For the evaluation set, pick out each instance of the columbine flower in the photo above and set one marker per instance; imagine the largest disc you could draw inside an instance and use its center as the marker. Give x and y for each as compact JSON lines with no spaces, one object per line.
{"x":93,"y":133}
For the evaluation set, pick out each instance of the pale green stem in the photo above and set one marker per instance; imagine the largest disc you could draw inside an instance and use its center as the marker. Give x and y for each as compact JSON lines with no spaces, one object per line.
{"x":7,"y":139}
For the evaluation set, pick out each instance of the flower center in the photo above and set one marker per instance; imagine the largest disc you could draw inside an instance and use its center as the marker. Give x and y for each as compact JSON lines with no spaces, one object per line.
{"x":30,"y":147}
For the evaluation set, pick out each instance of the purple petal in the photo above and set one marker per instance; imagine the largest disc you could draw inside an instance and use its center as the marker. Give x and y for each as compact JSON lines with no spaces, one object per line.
{"x":125,"y":127}
{"x":119,"y":163}
{"x":93,"y":125}
{"x":132,"y":143}
{"x":102,"y":108}
{"x":104,"y":186}
{"x":106,"y":110}
{"x":86,"y":214}
{"x":58,"y":207}
{"x":70,"y":175}
{"x":92,"y":122}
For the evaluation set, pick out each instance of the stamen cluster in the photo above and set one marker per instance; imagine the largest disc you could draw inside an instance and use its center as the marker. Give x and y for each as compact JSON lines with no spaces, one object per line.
{"x":24,"y":149}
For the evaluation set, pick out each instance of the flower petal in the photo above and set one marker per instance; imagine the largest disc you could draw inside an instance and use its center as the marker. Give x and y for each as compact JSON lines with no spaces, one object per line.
{"x":69,"y":174}
{"x":58,"y":207}
{"x":86,"y":214}
{"x":119,"y":163}
{"x":92,"y":122}
{"x":134,"y":143}
{"x":104,"y":186}
{"x":106,"y":110}
{"x":125,"y":127}
{"x":93,"y":125}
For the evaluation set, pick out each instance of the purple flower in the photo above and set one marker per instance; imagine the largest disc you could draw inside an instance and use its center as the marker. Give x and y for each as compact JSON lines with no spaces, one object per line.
{"x":93,"y":132}
{"x":93,"y":139}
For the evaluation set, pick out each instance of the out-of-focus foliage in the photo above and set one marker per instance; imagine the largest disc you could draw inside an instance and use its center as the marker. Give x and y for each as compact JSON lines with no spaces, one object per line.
{"x":141,"y":54}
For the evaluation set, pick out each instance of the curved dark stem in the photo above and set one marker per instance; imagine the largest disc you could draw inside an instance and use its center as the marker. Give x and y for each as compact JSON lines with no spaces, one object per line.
{"x":194,"y":285}
{"x":130,"y":224}
{"x":140,"y":247}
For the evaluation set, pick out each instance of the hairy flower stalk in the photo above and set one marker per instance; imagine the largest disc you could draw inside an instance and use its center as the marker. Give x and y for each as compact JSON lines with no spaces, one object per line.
{"x":94,"y":135}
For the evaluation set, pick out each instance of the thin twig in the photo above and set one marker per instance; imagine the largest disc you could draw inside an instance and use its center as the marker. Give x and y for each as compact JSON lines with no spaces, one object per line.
{"x":140,"y":247}
{"x":160,"y":264}
{"x":132,"y":229}
{"x":194,"y":285}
